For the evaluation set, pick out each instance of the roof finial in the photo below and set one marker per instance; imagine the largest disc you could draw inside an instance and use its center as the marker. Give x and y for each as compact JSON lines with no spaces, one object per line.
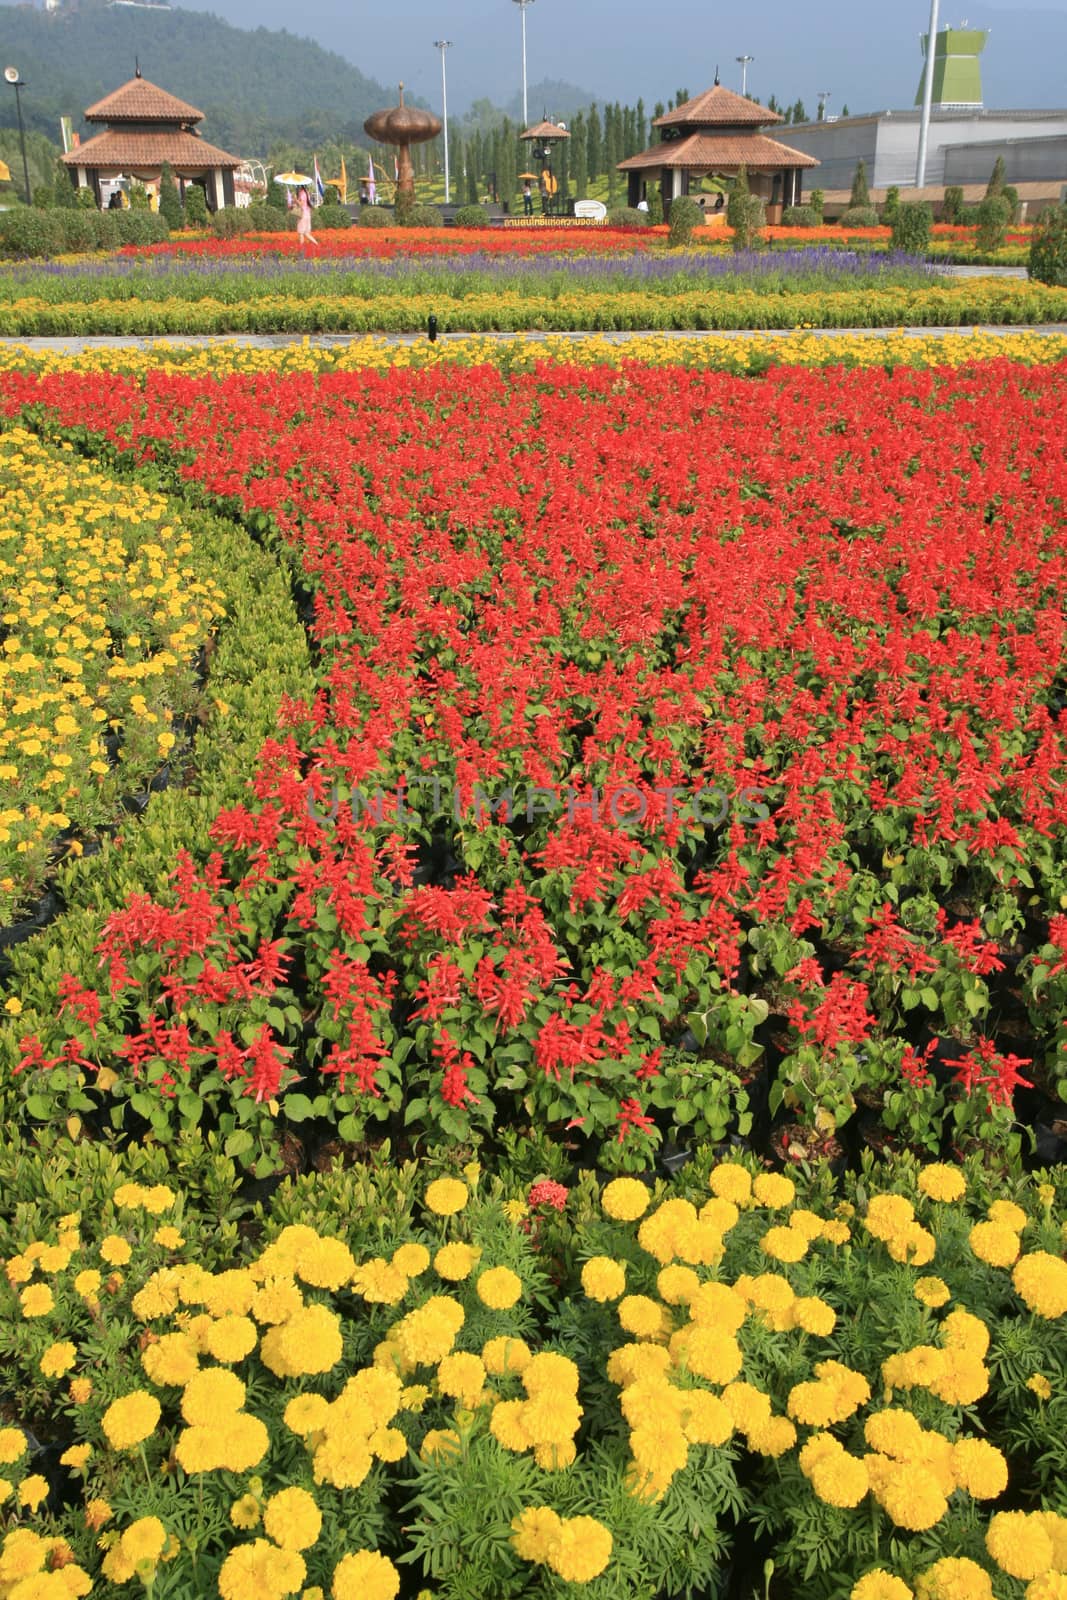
{"x":401,"y":94}
{"x":716,"y":84}
{"x":137,"y":66}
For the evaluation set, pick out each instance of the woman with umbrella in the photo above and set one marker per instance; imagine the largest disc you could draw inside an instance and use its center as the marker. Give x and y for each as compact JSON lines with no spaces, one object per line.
{"x":303,"y":219}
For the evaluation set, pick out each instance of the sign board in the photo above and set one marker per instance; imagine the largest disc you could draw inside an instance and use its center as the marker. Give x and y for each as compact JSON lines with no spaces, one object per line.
{"x":590,"y":210}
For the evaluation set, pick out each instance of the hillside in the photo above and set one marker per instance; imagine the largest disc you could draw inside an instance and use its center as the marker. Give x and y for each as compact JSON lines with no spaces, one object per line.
{"x":254,"y":87}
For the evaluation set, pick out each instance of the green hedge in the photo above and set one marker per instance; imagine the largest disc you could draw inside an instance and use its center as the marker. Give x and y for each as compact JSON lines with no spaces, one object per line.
{"x":29,"y":233}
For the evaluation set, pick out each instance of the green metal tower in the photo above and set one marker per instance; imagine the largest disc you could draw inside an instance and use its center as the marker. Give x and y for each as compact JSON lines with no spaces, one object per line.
{"x":957,"y":69}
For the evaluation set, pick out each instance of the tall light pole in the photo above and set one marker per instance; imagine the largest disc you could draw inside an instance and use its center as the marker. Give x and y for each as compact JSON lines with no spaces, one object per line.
{"x":928,"y":98}
{"x":743,"y":62}
{"x":522,"y":4}
{"x":443,"y":45}
{"x":13,"y":76}
{"x":824,"y":97}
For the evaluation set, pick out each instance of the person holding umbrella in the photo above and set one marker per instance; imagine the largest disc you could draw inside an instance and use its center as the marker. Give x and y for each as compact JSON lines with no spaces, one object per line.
{"x":303,"y":220}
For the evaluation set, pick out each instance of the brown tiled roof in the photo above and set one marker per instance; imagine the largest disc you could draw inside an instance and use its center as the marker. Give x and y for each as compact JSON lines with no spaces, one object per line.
{"x":141,"y":101}
{"x":753,"y":150}
{"x":715,"y":107}
{"x":125,"y":151}
{"x":545,"y":130}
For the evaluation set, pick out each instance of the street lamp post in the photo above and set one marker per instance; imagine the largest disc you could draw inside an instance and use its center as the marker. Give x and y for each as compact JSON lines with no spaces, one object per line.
{"x":928,"y":98}
{"x":443,"y":45}
{"x":14,"y":78}
{"x":743,"y":62}
{"x":522,"y":4}
{"x":824,"y":100}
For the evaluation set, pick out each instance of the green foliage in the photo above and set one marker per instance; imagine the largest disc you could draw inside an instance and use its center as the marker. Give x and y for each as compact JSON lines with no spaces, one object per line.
{"x":912,"y":227}
{"x":276,"y":196}
{"x":422,"y":216}
{"x":382,"y":216}
{"x":816,"y":202}
{"x":44,"y":197}
{"x":472,"y":217}
{"x":86,"y":199}
{"x":65,"y":196}
{"x":952,"y":205}
{"x":655,"y":207}
{"x":170,"y":205}
{"x":859,"y":217}
{"x":138,"y":197}
{"x":1048,"y":248}
{"x":229,"y":221}
{"x":800,"y":217}
{"x":332,"y":217}
{"x":196,"y":214}
{"x":996,"y":179}
{"x":744,"y":213}
{"x":994,"y":215}
{"x":861,"y":194}
{"x":627,"y":217}
{"x":684,"y":217}
{"x":268,"y":219}
{"x":892,"y":203}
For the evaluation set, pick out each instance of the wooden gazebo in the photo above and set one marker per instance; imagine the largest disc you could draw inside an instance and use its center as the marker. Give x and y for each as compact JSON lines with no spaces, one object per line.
{"x":715,"y":135}
{"x":146,"y":126}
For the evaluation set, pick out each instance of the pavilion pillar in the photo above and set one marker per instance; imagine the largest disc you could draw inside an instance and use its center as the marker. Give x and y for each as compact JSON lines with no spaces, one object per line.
{"x":220,"y":193}
{"x":633,"y":189}
{"x":676,"y":182}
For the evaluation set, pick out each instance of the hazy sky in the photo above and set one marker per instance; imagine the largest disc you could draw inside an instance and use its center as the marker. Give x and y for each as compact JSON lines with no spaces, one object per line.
{"x":865,"y":53}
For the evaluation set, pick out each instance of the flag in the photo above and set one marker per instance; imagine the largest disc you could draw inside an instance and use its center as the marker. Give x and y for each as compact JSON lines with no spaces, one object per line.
{"x":320,"y":187}
{"x":77,"y":140}
{"x":66,"y":129}
{"x":343,"y":185}
{"x":372,"y":188}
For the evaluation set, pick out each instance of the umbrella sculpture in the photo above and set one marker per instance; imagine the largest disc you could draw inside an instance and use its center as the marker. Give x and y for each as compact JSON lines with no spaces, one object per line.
{"x":403,"y":126}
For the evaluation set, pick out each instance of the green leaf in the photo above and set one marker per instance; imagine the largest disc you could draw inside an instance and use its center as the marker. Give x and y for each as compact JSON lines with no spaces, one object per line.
{"x":239,"y":1143}
{"x":298,"y":1107}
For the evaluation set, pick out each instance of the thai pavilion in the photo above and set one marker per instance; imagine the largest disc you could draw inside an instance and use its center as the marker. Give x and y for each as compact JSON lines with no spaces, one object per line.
{"x":146,"y":126}
{"x":715,"y":135}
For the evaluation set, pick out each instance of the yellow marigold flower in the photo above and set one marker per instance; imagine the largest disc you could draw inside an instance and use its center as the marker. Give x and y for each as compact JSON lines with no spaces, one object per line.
{"x":445,"y":1196}
{"x":603,"y":1279}
{"x":292,"y":1519}
{"x":894,"y":1433}
{"x":534,"y":1531}
{"x":941,"y":1182}
{"x":87,"y":1284}
{"x":640,"y":1315}
{"x":784,"y":1244}
{"x":498,"y":1288}
{"x":1008,"y":1215}
{"x":1056,"y":1528}
{"x":1019,"y":1544}
{"x":171,"y":1360}
{"x":963,"y":1331}
{"x":773,"y":1437}
{"x":932,"y":1292}
{"x":244,"y":1513}
{"x":365,"y":1575}
{"x":168,"y":1237}
{"x":455,"y":1261}
{"x":840,"y":1480}
{"x":809,"y":1223}
{"x":879,"y":1584}
{"x":507,"y":1426}
{"x":462,"y":1376}
{"x":143,"y":1540}
{"x":705,"y":1419}
{"x":515,"y":1210}
{"x":32,"y":1491}
{"x":309,"y":1343}
{"x":415,"y":1395}
{"x":306,"y":1413}
{"x":19,"y":1269}
{"x":581,"y":1550}
{"x":1040,"y":1386}
{"x":994,"y":1244}
{"x":748,"y":1406}
{"x":912,"y":1498}
{"x":660,"y":1445}
{"x":156,"y":1199}
{"x":677,"y":1285}
{"x":1050,"y":1586}
{"x":954,"y":1578}
{"x":231,"y":1338}
{"x":230,"y":1292}
{"x":54,"y":1258}
{"x":326,"y":1264}
{"x":441,"y":1442}
{"x":80,"y":1390}
{"x":117,"y":1566}
{"x":730,"y":1181}
{"x":276,"y":1301}
{"x":429,"y":1332}
{"x":388,"y":1444}
{"x":58,"y":1359}
{"x":97,"y":1513}
{"x":506,"y":1353}
{"x":129,"y":1196}
{"x":128,"y":1421}
{"x":774,"y":1190}
{"x":115,"y":1250}
{"x":913,"y":1245}
{"x":660,"y":1234}
{"x":888,"y":1214}
{"x":716,"y":1304}
{"x":550,"y":1370}
{"x":1041,"y":1280}
{"x":380,"y":1282}
{"x":555,"y":1457}
{"x":261,"y":1569}
{"x":709,"y":1352}
{"x":76,"y":1457}
{"x":411,"y":1259}
{"x":212,"y":1394}
{"x":814,"y":1316}
{"x":625,"y":1199}
{"x":979,"y":1467}
{"x":36,"y":1301}
{"x":836,"y":1232}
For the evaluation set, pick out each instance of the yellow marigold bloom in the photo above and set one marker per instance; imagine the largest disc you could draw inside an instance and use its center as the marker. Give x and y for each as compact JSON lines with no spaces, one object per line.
{"x":440,"y":1442}
{"x":730,"y":1181}
{"x":388,"y":1444}
{"x":1041,"y":1280}
{"x":117,"y":1566}
{"x":640,"y":1315}
{"x":1040,"y":1386}
{"x":911,"y":1497}
{"x":506,"y":1353}
{"x":555,"y":1457}
{"x":292,"y":1519}
{"x":58,"y":1359}
{"x":888,"y":1214}
{"x":784,"y":1244}
{"x":809,"y":1223}
{"x":913,"y":1245}
{"x":954,"y":1578}
{"x":97,"y":1513}
{"x":632,"y":1361}
{"x":748,"y":1406}
{"x":1056,"y":1528}
{"x":836,"y":1232}
{"x":415,"y":1395}
{"x":380,"y":1282}
{"x":705,"y":1419}
{"x":709,"y":1352}
{"x":533,"y":1532}
{"x":36,"y":1301}
{"x":462,"y":1376}
{"x":659,"y":1445}
{"x":550,"y":1370}
{"x":994,"y":1244}
{"x":941,"y":1182}
{"x":143,"y":1540}
{"x":498,"y":1288}
{"x":19,"y":1269}
{"x":1019,"y":1545}
{"x":507,"y":1426}
{"x":77,"y":1456}
{"x":814,"y":1315}
{"x":231,"y":1338}
{"x":840,"y":1480}
{"x":411,"y":1259}
{"x":894,"y":1433}
{"x":13,"y":1445}
{"x":168,"y":1237}
{"x":308,"y":1344}
{"x":306,"y":1413}
{"x":551,"y":1417}
{"x":80,"y":1390}
{"x":932,"y":1292}
{"x":115,"y":1250}
{"x":429,"y":1332}
{"x":774,"y":1190}
{"x":515,"y":1210}
{"x":225,"y":1293}
{"x":365,"y":1575}
{"x":1008,"y":1215}
{"x":773,"y":1437}
{"x":260,"y":1569}
{"x":156,"y":1199}
{"x":32,"y":1491}
{"x":129,"y":1196}
{"x":276,"y":1301}
{"x":716,"y":1304}
{"x":445,"y":1196}
{"x":625,"y":1199}
{"x":581,"y":1550}
{"x":455,"y":1261}
{"x":979,"y":1468}
{"x":879,"y":1584}
{"x":1050,"y":1586}
{"x":326,"y":1264}
{"x":603,"y":1279}
{"x":677,"y":1285}
{"x":211,"y":1394}
{"x":171,"y":1360}
{"x":128,"y":1421}
{"x":661,"y":1233}
{"x":54,"y":1258}
{"x":244,"y":1513}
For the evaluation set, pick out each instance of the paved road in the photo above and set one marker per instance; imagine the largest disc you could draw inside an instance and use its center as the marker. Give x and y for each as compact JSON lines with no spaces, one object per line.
{"x":73,"y":344}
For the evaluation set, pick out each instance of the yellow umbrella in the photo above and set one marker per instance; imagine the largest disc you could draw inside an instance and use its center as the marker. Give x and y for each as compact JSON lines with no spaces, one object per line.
{"x":5,"y":172}
{"x":296,"y":178}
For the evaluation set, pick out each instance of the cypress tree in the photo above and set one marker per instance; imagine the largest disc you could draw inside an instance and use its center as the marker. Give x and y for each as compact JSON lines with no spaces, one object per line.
{"x":861,"y":195}
{"x":579,"y":154}
{"x":170,"y":205}
{"x":594,"y":145}
{"x":640,"y":132}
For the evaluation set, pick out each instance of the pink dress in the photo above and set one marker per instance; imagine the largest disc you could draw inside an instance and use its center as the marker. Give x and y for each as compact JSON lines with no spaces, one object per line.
{"x":303,"y":222}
